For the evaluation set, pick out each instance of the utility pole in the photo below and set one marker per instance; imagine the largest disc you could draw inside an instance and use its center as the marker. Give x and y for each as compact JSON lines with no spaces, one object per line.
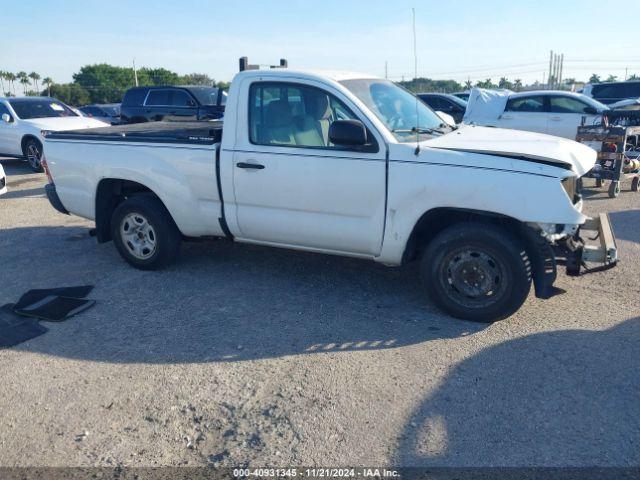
{"x":626,"y":71}
{"x":550,"y":68}
{"x":386,"y":69}
{"x":561,"y":70}
{"x":135,"y":72}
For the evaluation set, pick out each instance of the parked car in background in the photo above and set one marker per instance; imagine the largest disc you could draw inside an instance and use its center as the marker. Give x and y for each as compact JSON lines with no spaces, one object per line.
{"x":463,"y":95}
{"x":612,"y":92}
{"x":107,"y":112}
{"x":546,"y":111}
{"x":446,"y":103}
{"x":3,"y":181}
{"x":23,"y":119}
{"x":152,"y":104}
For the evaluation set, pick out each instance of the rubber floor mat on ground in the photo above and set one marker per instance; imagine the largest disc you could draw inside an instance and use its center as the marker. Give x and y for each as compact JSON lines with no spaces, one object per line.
{"x":54,"y":308}
{"x":15,"y":329}
{"x":34,"y":296}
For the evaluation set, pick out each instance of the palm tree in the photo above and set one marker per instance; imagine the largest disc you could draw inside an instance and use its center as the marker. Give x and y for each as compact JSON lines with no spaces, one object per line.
{"x":35,"y":77}
{"x":633,"y":78}
{"x":517,"y":84}
{"x":11,"y":77}
{"x":2,"y":77}
{"x":468,"y":85}
{"x":594,"y":78}
{"x":47,"y":82}
{"x":23,"y":78}
{"x":611,"y":78}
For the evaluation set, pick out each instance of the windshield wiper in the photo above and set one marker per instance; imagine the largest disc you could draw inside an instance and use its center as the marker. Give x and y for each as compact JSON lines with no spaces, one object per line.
{"x":419,"y":130}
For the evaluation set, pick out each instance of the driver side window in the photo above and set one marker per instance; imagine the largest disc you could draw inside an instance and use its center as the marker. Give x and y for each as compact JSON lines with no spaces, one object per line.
{"x":286,"y":114}
{"x":566,"y":105}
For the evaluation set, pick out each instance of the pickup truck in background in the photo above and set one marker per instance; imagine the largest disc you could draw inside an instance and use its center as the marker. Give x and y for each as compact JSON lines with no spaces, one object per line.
{"x":343,"y":164}
{"x":172,"y":103}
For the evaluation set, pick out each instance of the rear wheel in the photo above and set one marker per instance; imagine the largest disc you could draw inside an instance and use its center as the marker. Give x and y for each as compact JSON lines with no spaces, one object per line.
{"x":144,"y":232}
{"x":477,"y":272}
{"x":634,"y":184}
{"x":614,"y":189}
{"x":33,"y":153}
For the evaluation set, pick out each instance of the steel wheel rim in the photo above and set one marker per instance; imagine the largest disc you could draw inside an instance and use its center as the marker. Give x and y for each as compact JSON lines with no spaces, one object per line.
{"x":473,"y":277}
{"x":33,"y":156}
{"x":138,"y":236}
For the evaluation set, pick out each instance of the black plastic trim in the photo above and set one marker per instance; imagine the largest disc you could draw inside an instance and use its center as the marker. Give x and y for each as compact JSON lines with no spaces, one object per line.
{"x":223,"y":219}
{"x":54,"y":199}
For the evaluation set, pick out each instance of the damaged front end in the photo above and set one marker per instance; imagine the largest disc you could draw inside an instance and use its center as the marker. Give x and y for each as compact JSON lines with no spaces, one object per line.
{"x":595,"y":253}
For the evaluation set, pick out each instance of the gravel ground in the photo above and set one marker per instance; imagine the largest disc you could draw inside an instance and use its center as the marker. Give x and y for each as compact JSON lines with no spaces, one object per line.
{"x":241,"y":355}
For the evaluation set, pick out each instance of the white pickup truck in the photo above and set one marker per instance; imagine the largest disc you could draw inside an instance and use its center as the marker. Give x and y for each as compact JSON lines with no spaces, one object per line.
{"x":342,"y":164}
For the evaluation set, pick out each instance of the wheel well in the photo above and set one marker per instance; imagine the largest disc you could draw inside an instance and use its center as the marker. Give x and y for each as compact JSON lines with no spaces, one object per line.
{"x":25,"y":139}
{"x":109,"y":194}
{"x":541,"y":256}
{"x":434,"y":221}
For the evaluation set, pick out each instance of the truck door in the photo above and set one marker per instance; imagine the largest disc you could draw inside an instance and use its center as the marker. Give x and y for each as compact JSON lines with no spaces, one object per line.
{"x":293,"y":186}
{"x":525,"y":113}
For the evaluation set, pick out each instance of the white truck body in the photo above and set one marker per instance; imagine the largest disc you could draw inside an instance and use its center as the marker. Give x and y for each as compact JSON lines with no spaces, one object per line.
{"x":355,"y":202}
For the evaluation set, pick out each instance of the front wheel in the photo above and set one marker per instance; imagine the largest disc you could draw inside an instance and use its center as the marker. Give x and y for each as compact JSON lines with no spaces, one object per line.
{"x":144,"y":232}
{"x":33,"y":152}
{"x":477,"y":272}
{"x":614,"y":189}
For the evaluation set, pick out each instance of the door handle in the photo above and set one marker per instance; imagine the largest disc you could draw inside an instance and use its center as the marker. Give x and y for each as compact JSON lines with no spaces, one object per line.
{"x":555,"y":119}
{"x":506,"y":117}
{"x":254,"y":166}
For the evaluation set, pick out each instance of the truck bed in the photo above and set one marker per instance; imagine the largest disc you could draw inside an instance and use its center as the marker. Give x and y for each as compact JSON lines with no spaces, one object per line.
{"x":204,"y":133}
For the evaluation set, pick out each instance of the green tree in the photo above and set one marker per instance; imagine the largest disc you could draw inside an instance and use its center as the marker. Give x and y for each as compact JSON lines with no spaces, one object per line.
{"x":23,"y":78}
{"x":197,"y":79}
{"x":611,"y":78}
{"x":594,"y":78}
{"x":35,"y":77}
{"x":107,"y":83}
{"x":157,"y":76}
{"x":633,"y":77}
{"x":11,"y":78}
{"x":70,"y":93}
{"x":417,"y":85}
{"x":486,"y":84}
{"x":505,"y":83}
{"x":517,"y":84}
{"x":47,"y":82}
{"x":2,"y":79}
{"x":468,"y":85}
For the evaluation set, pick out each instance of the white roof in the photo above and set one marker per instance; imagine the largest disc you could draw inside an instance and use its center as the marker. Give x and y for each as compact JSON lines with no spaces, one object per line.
{"x":313,"y":74}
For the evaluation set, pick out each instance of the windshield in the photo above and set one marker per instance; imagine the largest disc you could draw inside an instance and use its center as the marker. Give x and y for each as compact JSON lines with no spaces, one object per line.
{"x":41,"y":108}
{"x":113,"y":111}
{"x":208,"y":95}
{"x":400,"y":111}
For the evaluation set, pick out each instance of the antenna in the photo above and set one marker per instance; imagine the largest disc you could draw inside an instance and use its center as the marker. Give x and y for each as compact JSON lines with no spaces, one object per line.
{"x":415,"y":77}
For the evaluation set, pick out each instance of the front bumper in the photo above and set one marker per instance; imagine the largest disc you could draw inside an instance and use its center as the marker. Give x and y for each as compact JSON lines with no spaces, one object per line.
{"x":583,"y":257}
{"x":54,"y":199}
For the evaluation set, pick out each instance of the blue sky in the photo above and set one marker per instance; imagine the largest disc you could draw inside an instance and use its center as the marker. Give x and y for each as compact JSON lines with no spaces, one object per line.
{"x":456,"y":39}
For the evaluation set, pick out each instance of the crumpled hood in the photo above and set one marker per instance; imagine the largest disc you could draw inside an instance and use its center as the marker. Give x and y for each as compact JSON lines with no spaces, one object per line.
{"x":520,"y":145}
{"x":59,"y":124}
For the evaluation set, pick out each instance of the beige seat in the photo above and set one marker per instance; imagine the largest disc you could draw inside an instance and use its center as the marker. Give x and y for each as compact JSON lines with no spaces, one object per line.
{"x":312,"y":128}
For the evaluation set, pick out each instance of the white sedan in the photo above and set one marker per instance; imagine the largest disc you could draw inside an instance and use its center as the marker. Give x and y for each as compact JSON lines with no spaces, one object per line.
{"x":3,"y":181}
{"x":556,"y":113}
{"x":23,"y":119}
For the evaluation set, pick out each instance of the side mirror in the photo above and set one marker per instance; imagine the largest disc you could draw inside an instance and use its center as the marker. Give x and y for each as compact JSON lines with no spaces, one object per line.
{"x":191,"y":103}
{"x":590,"y":110}
{"x":348,"y":133}
{"x":6,"y":118}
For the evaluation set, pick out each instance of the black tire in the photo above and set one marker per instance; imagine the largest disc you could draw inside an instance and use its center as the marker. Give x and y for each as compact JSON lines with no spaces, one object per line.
{"x":147,"y":246}
{"x":33,"y":154}
{"x":634,"y":184}
{"x":480,"y":257}
{"x":598,"y":182}
{"x":614,"y":189}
